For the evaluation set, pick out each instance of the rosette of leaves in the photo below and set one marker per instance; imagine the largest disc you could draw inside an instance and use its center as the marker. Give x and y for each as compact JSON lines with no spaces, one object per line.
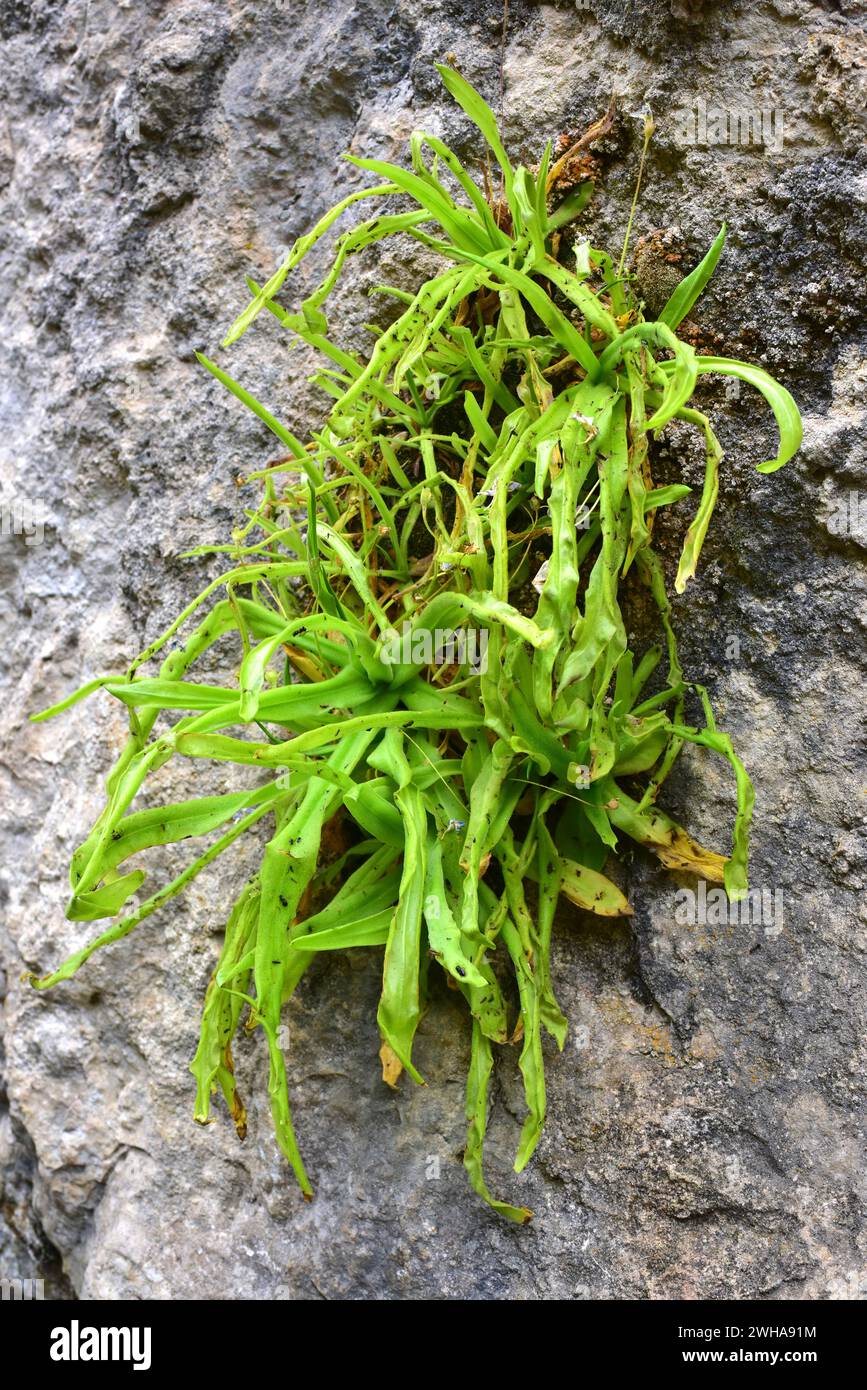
{"x":503,"y":415}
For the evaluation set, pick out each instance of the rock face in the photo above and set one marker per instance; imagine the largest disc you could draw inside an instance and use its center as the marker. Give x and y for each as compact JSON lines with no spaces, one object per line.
{"x":704,"y":1119}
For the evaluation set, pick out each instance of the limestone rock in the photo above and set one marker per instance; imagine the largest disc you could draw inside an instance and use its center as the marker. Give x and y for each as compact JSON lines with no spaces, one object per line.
{"x":704,"y":1119}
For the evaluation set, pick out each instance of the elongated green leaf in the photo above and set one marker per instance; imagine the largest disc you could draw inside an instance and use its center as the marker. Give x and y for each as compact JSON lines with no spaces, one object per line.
{"x":478,"y":1079}
{"x":482,"y":116}
{"x":531,"y":1060}
{"x":105,"y":902}
{"x":669,"y":841}
{"x":664,"y":496}
{"x":552,"y":317}
{"x":164,"y":825}
{"x":496,"y":237}
{"x":549,"y":873}
{"x":163,"y":694}
{"x":735,"y":871}
{"x":81,"y":694}
{"x":371,"y":805}
{"x":460,"y":225}
{"x":782,"y":403}
{"x":252,"y":675}
{"x":571,"y":206}
{"x":212,"y":1064}
{"x":443,"y":931}
{"x":681,"y":372}
{"x":120,"y":929}
{"x":285,"y":436}
{"x":691,"y":286}
{"x":300,"y":249}
{"x":701,"y":521}
{"x":400,"y":1005}
{"x":366,"y":931}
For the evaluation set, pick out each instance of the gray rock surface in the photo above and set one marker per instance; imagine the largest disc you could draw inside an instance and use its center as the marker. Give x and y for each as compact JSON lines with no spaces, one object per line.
{"x":705,"y":1133}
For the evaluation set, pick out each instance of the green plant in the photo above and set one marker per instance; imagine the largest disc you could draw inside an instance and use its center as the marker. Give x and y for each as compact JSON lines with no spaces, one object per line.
{"x":503,"y":416}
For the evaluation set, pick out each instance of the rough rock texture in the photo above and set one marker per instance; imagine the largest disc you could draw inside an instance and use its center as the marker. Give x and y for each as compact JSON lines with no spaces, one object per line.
{"x":705,"y":1133}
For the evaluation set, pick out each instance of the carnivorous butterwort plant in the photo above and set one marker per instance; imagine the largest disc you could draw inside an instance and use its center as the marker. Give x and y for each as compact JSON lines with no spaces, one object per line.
{"x":484,"y":472}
